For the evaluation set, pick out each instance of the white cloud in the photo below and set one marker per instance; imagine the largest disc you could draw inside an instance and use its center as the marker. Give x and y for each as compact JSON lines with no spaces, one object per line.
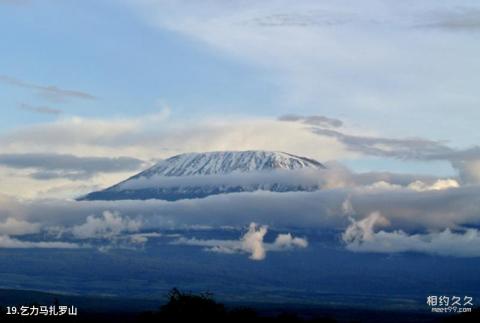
{"x":363,"y":230}
{"x":382,"y":185}
{"x":8,"y":242}
{"x":14,"y":227}
{"x":251,"y":242}
{"x":142,"y":238}
{"x":287,"y":241}
{"x":469,"y":170}
{"x":441,"y":184}
{"x":107,"y":226}
{"x":361,"y":236}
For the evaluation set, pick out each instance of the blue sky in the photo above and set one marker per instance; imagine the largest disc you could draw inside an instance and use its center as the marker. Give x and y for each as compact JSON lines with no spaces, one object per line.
{"x":104,"y":49}
{"x":148,"y":79}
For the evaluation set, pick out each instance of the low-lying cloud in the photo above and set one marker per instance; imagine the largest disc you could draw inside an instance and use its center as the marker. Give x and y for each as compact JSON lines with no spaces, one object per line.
{"x":252,"y":242}
{"x":108,"y":225}
{"x":361,"y":236}
{"x":8,"y":242}
{"x":13,"y":227}
{"x":361,"y":212}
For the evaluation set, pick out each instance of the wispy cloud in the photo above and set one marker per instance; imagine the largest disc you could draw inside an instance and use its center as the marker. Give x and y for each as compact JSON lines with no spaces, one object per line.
{"x":316,"y":120}
{"x":49,"y":92}
{"x":301,"y":19}
{"x":466,"y":161}
{"x":458,"y":19}
{"x":48,"y":166}
{"x":365,"y":60}
{"x":403,"y":148}
{"x":8,"y":242}
{"x":39,"y":109}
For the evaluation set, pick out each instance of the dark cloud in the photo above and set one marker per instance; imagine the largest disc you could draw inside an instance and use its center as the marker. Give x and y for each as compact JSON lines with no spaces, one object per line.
{"x":465,"y":161}
{"x":49,"y":92}
{"x":404,"y":148}
{"x":50,"y":166}
{"x":314,"y":120}
{"x":40,"y":109}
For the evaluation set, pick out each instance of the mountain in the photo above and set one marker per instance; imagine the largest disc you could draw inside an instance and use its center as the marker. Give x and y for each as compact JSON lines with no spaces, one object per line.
{"x":196,"y":175}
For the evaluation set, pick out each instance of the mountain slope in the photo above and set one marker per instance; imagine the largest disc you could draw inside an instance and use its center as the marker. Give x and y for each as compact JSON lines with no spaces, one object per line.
{"x":195,"y":175}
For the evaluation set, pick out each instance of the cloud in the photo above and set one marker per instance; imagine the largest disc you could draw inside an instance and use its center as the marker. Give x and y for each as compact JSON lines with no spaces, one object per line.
{"x":459,"y":19}
{"x":142,"y":238}
{"x":251,"y":242}
{"x":48,"y":166}
{"x":49,"y":92}
{"x":7,"y":242}
{"x":287,"y":241}
{"x":146,"y":137}
{"x":13,"y":227}
{"x":74,"y":141}
{"x":368,"y":61}
{"x":398,"y":208}
{"x":312,"y":120}
{"x":417,"y":185}
{"x":469,"y":170}
{"x":281,"y":180}
{"x":403,"y":148}
{"x":304,"y":19}
{"x":360,"y":236}
{"x":441,"y":184}
{"x":362,"y":230}
{"x":407,"y":208}
{"x":143,"y":138}
{"x":107,"y":226}
{"x":465,"y":161}
{"x":40,"y":109}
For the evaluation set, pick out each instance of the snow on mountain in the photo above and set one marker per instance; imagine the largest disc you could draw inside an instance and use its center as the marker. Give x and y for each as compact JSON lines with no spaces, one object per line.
{"x":195,"y":175}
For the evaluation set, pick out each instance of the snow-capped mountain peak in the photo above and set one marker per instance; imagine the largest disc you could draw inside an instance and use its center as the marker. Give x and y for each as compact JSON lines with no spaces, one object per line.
{"x":195,"y":175}
{"x":226,"y":162}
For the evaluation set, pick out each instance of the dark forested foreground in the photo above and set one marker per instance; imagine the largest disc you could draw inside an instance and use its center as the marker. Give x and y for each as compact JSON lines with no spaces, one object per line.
{"x":188,"y":307}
